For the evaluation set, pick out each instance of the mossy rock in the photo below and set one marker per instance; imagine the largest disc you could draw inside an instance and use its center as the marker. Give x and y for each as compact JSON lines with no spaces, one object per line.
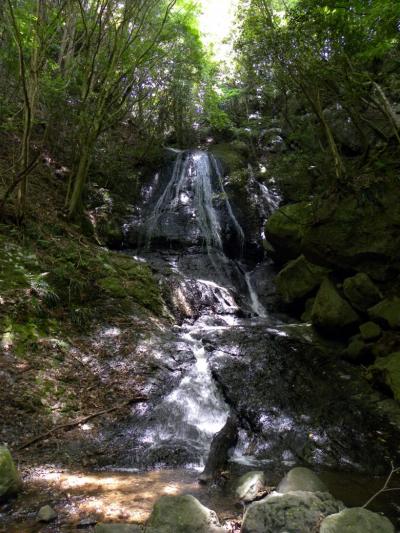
{"x":351,"y":235}
{"x":135,"y":280}
{"x":306,"y":316}
{"x":10,"y":481}
{"x":387,"y":311}
{"x":286,"y":227}
{"x":356,"y":520}
{"x":232,"y":155}
{"x":370,"y":331}
{"x":330,"y":311}
{"x":361,"y":292}
{"x":356,"y":350}
{"x":298,"y":278}
{"x":386,"y":371}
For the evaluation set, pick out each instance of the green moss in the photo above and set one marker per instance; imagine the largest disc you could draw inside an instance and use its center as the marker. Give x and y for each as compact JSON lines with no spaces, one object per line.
{"x":9,"y":478}
{"x":230,"y":154}
{"x":298,"y":278}
{"x":387,"y":311}
{"x":387,"y":370}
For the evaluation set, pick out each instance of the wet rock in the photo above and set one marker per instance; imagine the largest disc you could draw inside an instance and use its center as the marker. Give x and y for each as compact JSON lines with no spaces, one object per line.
{"x":387,"y":311}
{"x":46,"y":514}
{"x":222,"y":442}
{"x":117,"y":528}
{"x":388,"y":343}
{"x":331,"y":311}
{"x":303,"y":479}
{"x":370,"y":331}
{"x":9,"y":478}
{"x":386,"y":372}
{"x":356,"y":520}
{"x":361,"y":292}
{"x":285,"y":229}
{"x":182,"y":514}
{"x":296,"y":511}
{"x":249,"y":486}
{"x":298,"y":278}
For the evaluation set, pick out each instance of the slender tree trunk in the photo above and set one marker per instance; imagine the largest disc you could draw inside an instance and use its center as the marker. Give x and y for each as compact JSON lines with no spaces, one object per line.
{"x":75,"y":202}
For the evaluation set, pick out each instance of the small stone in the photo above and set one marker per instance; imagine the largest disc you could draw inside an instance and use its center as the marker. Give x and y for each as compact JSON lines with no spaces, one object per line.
{"x":249,"y":486}
{"x":356,"y":520}
{"x":370,"y":331}
{"x":356,"y":349}
{"x":46,"y":514}
{"x":301,"y":478}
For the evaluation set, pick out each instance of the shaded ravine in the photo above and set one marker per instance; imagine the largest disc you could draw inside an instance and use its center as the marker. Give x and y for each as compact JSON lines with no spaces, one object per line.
{"x":295,"y":404}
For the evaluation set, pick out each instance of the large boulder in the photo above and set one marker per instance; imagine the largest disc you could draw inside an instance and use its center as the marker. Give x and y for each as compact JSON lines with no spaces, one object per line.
{"x":249,"y":486}
{"x":350,"y":235}
{"x":9,"y":478}
{"x":293,"y":512}
{"x":181,"y":514}
{"x":298,"y":278}
{"x":386,"y":371}
{"x":330,"y":311}
{"x":356,"y":520}
{"x":285,"y":229}
{"x":361,"y":292}
{"x":301,"y":478}
{"x":387,"y":311}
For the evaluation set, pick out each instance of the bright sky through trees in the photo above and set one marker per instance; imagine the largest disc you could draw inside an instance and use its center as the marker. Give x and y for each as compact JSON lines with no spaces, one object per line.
{"x":216,"y":23}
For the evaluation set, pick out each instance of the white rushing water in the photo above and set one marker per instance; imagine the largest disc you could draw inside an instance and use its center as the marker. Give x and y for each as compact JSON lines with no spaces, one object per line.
{"x":255,"y":303}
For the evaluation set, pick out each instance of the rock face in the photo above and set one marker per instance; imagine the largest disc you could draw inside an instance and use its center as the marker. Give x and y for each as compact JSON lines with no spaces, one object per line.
{"x":181,"y":514}
{"x":249,"y":486}
{"x":386,"y":371}
{"x":9,"y":479}
{"x":298,"y":278}
{"x":303,"y":479}
{"x":293,"y":512}
{"x":330,"y":311}
{"x":356,"y":520}
{"x":361,"y":292}
{"x":285,"y":229}
{"x":387,"y":311}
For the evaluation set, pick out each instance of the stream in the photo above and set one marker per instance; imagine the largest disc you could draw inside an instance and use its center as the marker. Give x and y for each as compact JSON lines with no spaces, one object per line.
{"x":232,"y":351}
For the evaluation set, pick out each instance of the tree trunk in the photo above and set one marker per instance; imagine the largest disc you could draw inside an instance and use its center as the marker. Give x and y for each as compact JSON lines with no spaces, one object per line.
{"x":75,"y":202}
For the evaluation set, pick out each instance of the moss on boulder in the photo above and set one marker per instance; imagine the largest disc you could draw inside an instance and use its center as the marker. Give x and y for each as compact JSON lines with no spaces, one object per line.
{"x":351,"y":235}
{"x":356,"y":520}
{"x":361,"y":292}
{"x":386,"y":371}
{"x":232,"y":155}
{"x":298,"y":278}
{"x":286,"y":227}
{"x":370,"y":331}
{"x":387,"y":311}
{"x":330,"y":311}
{"x":9,"y":478}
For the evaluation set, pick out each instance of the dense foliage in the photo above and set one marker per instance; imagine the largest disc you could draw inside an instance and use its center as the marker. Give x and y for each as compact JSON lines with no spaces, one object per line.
{"x":328,"y":73}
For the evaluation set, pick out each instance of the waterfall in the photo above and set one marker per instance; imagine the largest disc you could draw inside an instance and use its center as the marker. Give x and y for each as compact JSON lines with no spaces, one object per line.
{"x":255,"y":303}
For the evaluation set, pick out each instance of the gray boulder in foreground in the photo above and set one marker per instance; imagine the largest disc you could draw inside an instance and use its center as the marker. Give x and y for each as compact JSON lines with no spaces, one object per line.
{"x":182,"y":514}
{"x":301,"y":478}
{"x":356,"y":520}
{"x":293,"y":512}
